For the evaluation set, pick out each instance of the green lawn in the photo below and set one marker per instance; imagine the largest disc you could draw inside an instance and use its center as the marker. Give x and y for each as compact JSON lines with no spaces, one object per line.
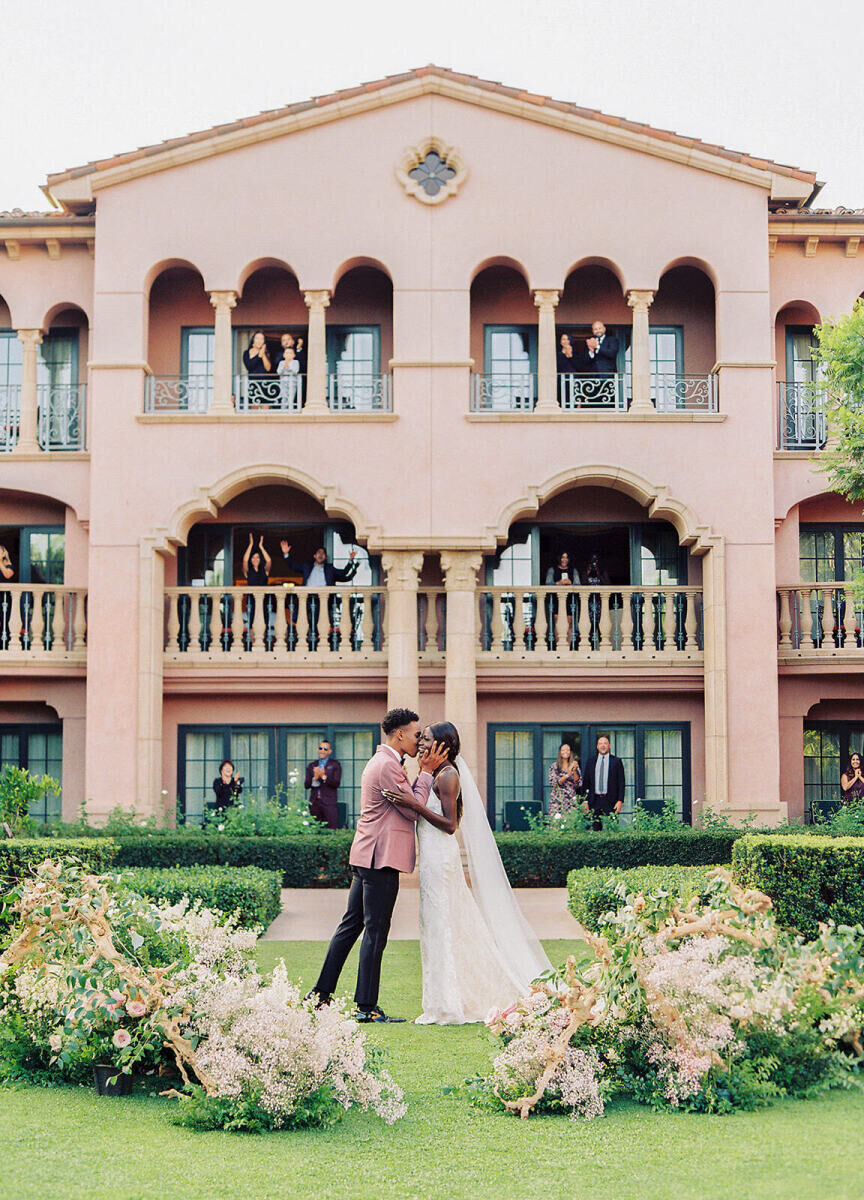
{"x":67,"y":1143}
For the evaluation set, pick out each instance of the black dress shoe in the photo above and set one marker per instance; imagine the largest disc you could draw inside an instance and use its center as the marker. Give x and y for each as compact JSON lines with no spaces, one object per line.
{"x":320,"y":1001}
{"x":376,"y":1016}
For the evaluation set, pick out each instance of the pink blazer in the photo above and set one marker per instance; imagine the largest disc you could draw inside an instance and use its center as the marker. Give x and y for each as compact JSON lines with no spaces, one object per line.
{"x":385,"y":833}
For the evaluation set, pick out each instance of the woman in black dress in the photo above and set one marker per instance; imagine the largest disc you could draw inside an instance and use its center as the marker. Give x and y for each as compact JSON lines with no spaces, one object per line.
{"x":256,"y":569}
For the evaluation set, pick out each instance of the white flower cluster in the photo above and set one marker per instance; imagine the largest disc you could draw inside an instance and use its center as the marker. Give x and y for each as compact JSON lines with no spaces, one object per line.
{"x":260,"y":1039}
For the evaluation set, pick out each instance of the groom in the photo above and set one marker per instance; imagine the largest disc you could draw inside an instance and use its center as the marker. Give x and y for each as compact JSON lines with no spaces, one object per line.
{"x":383,"y":846}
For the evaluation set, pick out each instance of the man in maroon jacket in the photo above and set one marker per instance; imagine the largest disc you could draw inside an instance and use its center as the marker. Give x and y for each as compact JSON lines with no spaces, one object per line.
{"x":323,"y":776}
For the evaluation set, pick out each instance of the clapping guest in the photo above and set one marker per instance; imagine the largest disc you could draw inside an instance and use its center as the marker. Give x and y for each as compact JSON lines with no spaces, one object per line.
{"x":602,"y":350}
{"x":565,"y":780}
{"x":567,"y":361}
{"x":852,"y":781}
{"x":320,"y":573}
{"x":256,"y":360}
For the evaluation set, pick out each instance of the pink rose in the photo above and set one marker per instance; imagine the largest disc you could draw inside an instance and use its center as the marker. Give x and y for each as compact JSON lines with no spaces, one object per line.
{"x":135,"y":1008}
{"x":119,"y":996}
{"x":122,"y":1038}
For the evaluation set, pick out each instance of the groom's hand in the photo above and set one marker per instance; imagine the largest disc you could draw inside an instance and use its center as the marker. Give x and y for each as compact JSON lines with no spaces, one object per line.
{"x":433,"y":758}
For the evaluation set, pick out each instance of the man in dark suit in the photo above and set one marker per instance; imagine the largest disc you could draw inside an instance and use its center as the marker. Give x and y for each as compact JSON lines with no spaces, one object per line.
{"x":323,"y":776}
{"x":603,"y":782}
{"x":320,"y":573}
{"x":602,"y":349}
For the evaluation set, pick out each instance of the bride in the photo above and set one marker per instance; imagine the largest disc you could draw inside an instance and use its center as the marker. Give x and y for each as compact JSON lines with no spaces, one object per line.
{"x":476,"y":948}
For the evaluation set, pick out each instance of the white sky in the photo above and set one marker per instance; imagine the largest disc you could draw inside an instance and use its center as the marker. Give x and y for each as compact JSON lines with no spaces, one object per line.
{"x":89,"y":79}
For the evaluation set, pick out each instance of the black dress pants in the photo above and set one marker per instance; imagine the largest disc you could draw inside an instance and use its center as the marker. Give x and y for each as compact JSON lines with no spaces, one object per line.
{"x":370,"y":906}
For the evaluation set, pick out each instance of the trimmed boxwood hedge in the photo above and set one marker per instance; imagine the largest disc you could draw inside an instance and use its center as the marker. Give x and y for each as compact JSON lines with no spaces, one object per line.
{"x":253,"y":895}
{"x":809,"y":879}
{"x":592,"y":889}
{"x":19,"y":855}
{"x":303,"y":861}
{"x":541,"y":860}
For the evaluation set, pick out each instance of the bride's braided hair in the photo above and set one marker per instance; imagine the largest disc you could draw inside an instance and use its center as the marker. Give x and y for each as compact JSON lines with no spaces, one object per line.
{"x":447,"y":735}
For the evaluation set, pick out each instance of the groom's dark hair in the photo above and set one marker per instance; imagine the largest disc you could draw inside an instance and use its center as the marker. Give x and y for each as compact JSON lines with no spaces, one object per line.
{"x":447,"y":735}
{"x":396,"y":718}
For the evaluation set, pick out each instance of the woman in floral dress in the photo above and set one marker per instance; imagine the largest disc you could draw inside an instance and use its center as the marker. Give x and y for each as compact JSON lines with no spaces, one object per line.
{"x":565,"y":779}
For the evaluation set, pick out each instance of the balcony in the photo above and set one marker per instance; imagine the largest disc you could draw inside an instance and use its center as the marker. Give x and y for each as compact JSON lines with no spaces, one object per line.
{"x":60,"y":420}
{"x":801,"y":420}
{"x":42,"y":624}
{"x":503,"y":392}
{"x":670,"y":394}
{"x":286,"y":626}
{"x":821,"y":623}
{"x":193,"y":394}
{"x":591,"y":625}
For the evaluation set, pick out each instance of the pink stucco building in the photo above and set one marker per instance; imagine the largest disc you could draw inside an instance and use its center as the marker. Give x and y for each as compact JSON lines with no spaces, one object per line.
{"x":429,"y":237}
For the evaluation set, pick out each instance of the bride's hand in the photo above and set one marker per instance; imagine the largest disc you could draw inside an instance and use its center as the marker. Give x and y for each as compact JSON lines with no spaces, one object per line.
{"x":398,"y":798}
{"x":433,"y":757}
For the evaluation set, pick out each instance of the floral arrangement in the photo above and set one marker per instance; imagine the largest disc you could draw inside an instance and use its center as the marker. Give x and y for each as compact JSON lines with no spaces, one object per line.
{"x":709,"y":1007}
{"x":96,"y":974}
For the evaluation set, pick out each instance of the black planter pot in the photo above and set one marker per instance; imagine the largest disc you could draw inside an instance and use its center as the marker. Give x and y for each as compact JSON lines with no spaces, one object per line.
{"x":121,"y":1086}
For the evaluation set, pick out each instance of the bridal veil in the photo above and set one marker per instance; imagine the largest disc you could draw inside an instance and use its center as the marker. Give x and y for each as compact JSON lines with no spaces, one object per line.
{"x":513,"y":936}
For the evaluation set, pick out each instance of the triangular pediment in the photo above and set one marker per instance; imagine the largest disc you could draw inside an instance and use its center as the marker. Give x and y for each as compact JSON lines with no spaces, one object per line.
{"x":76,"y":187}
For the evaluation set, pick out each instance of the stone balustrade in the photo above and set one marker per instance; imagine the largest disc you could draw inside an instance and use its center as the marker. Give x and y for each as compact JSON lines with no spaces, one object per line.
{"x":277,"y":625}
{"x":42,"y":623}
{"x":820,"y":621}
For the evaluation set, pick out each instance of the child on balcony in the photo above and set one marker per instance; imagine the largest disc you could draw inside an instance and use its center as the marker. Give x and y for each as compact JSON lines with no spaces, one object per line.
{"x":288,"y":369}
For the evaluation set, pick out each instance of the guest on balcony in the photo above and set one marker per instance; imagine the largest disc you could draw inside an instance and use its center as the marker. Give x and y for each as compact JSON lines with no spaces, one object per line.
{"x":602,"y":350}
{"x":852,"y":781}
{"x":320,"y":573}
{"x":288,"y":369}
{"x":568,"y":363}
{"x":257,"y":362}
{"x":288,"y":340}
{"x":256,"y":570}
{"x":562,"y":575}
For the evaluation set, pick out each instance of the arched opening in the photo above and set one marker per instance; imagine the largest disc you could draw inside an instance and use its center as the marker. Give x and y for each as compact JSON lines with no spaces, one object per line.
{"x":801,"y":418}
{"x":627,"y":591}
{"x":61,"y":377}
{"x":43,"y":550}
{"x":270,"y":372}
{"x":503,"y":339}
{"x":234,"y":596}
{"x":10,"y":379}
{"x":591,"y":369}
{"x":179,"y":341}
{"x":360,"y":339}
{"x":682,"y":339}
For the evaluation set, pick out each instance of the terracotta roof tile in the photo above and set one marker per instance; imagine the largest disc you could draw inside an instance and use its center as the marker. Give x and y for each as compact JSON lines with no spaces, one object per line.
{"x":591,"y":114}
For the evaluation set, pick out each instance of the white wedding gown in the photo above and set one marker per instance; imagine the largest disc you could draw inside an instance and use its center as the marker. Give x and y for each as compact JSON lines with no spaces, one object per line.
{"x":476,"y":948}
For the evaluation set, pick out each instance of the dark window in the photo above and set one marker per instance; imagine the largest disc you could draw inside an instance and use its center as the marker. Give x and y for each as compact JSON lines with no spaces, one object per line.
{"x":656,"y":759}
{"x":269,"y":758}
{"x":39,"y":750}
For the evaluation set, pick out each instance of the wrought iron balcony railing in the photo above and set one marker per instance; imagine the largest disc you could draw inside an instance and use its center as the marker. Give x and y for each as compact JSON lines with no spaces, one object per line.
{"x":10,"y":415}
{"x":592,"y":391}
{"x":178,"y":393}
{"x":279,"y":393}
{"x":684,"y":393}
{"x":61,"y":416}
{"x":503,"y":392}
{"x":360,"y":393}
{"x":801,"y":420}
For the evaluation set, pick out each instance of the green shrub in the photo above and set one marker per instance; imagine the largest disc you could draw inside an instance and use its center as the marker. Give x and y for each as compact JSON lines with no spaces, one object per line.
{"x":303,"y":861}
{"x":592,"y":889}
{"x":537,"y":860}
{"x":253,"y":895}
{"x":18,"y":790}
{"x":20,"y":856}
{"x":809,"y":879}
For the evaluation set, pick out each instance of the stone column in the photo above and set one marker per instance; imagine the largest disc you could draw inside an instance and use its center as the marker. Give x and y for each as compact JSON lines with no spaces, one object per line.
{"x":402,"y":568}
{"x":547,"y":360}
{"x":222,"y":302}
{"x":640,"y":302}
{"x":28,"y":428}
{"x":316,"y":361}
{"x":460,"y":569}
{"x":716,"y":703}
